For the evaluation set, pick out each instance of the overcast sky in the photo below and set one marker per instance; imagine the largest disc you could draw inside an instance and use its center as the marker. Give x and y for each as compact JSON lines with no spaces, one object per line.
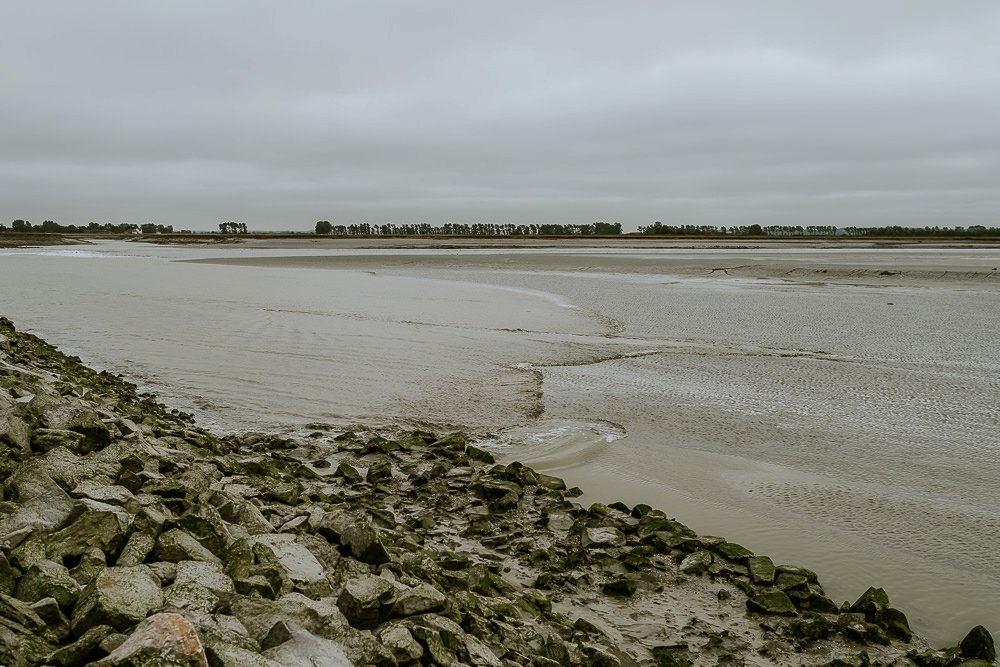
{"x":704,"y":112}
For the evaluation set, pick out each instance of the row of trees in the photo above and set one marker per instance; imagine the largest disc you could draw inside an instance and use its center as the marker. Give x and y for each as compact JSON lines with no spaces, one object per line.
{"x":325,"y":227}
{"x":895,"y":230}
{"x":51,"y":227}
{"x":659,"y":229}
{"x":233,"y":227}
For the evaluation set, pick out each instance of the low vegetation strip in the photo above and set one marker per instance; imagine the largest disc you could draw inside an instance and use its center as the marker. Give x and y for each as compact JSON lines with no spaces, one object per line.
{"x":130,"y":536}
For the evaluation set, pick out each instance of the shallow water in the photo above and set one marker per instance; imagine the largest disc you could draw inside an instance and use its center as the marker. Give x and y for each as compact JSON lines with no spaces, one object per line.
{"x":850,"y":428}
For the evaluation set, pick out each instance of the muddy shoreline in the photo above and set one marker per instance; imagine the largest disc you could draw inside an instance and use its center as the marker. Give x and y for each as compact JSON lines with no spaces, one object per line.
{"x":381,"y":547}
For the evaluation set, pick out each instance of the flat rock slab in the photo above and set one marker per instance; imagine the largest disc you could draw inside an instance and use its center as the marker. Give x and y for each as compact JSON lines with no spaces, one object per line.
{"x":207,"y":575}
{"x":307,"y":650}
{"x":295,"y":559}
{"x":602,"y":537}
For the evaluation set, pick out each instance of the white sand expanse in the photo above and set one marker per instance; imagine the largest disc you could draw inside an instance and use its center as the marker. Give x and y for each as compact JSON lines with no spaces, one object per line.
{"x":834,"y":406}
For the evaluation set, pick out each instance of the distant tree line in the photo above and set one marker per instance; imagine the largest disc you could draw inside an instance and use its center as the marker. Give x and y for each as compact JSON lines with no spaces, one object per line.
{"x":51,"y":227}
{"x":895,"y":230}
{"x":233,"y":227}
{"x":659,"y":229}
{"x":594,"y":229}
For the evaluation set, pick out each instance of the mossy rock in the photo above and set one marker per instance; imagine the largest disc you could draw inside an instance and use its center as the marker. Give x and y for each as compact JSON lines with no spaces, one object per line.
{"x":772,"y":602}
{"x":978,"y":644}
{"x":477,"y":454}
{"x":734,"y":552}
{"x":761,"y":570}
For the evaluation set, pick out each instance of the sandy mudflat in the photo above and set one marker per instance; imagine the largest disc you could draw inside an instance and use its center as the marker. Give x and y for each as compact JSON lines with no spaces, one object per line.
{"x":843,"y":420}
{"x":848,"y":262}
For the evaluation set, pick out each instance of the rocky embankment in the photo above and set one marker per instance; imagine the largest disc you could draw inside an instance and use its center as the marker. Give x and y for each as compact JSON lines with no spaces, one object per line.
{"x":129,"y":536}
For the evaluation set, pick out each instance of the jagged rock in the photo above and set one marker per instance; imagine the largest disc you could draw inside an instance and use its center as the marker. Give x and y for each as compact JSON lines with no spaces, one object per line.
{"x":190,"y":597}
{"x":421,"y":599}
{"x":479,"y":654}
{"x":436,"y":645}
{"x":978,"y":644}
{"x":481,"y":455}
{"x":316,"y":616}
{"x":307,"y":650}
{"x":19,"y":648}
{"x":298,"y":563}
{"x":229,"y":655}
{"x":895,"y":623}
{"x":162,"y":640}
{"x":671,"y":656}
{"x":400,"y":642}
{"x":774,"y":602}
{"x":811,"y":627}
{"x":452,"y":444}
{"x":366,"y":601}
{"x":101,"y":526}
{"x":14,"y":430}
{"x":601,"y":537}
{"x":77,"y":652}
{"x":21,"y":614}
{"x":734,"y":552}
{"x":761,"y":570}
{"x":44,"y":439}
{"x":379,"y":471}
{"x":83,"y":421}
{"x":697,"y":562}
{"x":136,"y":550}
{"x":8,"y":576}
{"x":365,"y":544}
{"x":791,"y":582}
{"x":47,"y":579}
{"x":205,"y":524}
{"x":176,"y":545}
{"x":41,"y":504}
{"x":110,"y":494}
{"x":246,"y":514}
{"x":119,"y":597}
{"x":207,"y":575}
{"x":349,"y":473}
{"x":48,"y":610}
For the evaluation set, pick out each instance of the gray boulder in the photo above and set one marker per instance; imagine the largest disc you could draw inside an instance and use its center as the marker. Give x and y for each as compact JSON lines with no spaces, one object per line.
{"x":697,"y":562}
{"x":80,"y":420}
{"x":119,"y":597}
{"x":298,"y":563}
{"x":603,"y":536}
{"x":47,"y":579}
{"x":207,"y":575}
{"x":44,"y":439}
{"x":365,"y":544}
{"x":366,"y":601}
{"x":761,"y":570}
{"x":177,"y":545}
{"x":162,"y":640}
{"x":304,"y":649}
{"x":774,"y":602}
{"x":401,"y":644}
{"x":422,"y":599}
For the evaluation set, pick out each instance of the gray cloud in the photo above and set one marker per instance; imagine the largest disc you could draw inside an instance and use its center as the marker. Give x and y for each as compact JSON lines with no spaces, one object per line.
{"x":279,"y":114}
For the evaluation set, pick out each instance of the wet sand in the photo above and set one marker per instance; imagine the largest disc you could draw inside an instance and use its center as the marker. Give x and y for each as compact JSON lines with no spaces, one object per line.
{"x":846,"y":423}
